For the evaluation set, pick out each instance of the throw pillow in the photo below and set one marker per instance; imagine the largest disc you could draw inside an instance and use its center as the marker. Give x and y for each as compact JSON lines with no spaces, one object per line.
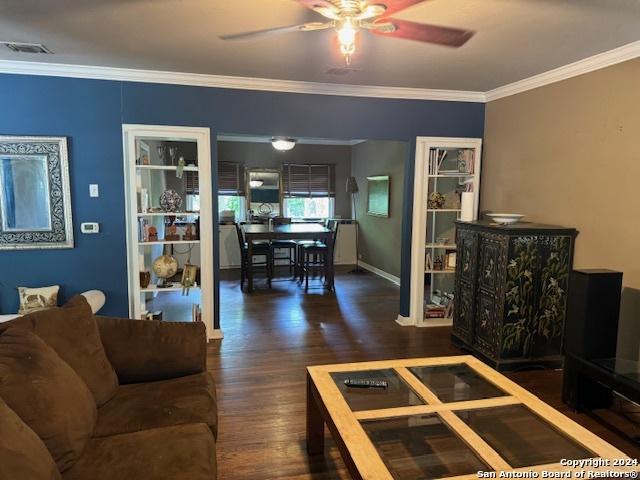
{"x":46,"y":394}
{"x":73,"y":333}
{"x":34,"y":299}
{"x":22,"y":453}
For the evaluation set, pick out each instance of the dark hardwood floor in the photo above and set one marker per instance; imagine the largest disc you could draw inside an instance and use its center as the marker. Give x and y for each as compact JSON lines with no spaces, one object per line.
{"x":272,"y":335}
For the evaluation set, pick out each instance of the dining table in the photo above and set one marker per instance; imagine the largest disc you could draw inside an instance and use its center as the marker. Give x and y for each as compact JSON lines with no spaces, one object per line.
{"x":292,"y":231}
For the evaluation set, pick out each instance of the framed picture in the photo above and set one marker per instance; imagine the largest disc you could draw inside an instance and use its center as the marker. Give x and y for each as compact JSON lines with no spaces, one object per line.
{"x":451,"y":261}
{"x":144,"y":153}
{"x":35,"y":198}
{"x":189,"y":274}
{"x":378,"y":196}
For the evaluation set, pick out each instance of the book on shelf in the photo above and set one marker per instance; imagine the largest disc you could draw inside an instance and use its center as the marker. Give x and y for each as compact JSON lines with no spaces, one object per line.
{"x":432,"y":310}
{"x":428,"y":262}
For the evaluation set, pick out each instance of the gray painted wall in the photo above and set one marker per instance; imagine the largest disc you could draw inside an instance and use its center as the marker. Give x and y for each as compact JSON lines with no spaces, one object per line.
{"x":263,"y":155}
{"x":380,"y":238}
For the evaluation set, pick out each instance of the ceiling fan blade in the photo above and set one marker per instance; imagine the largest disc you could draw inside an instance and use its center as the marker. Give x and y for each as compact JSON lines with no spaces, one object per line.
{"x":421,"y":32}
{"x":305,"y":27}
{"x":371,"y":11}
{"x":394,"y":6}
{"x":323,"y":7}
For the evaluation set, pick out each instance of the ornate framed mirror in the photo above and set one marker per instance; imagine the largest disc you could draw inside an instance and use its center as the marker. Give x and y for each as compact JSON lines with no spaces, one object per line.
{"x":35,"y":198}
{"x":264,"y":192}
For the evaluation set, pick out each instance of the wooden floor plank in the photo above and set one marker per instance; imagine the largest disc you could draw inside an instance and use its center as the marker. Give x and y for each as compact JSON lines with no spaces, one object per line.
{"x":270,"y":339}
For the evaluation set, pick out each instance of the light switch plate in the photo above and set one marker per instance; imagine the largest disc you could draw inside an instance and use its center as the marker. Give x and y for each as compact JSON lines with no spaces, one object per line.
{"x":94,"y":191}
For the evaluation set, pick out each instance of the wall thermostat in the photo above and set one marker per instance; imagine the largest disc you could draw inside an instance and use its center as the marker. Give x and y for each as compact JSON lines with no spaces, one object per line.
{"x":89,"y":227}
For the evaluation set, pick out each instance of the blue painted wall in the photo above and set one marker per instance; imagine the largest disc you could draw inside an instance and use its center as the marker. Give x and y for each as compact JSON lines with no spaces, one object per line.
{"x":91,"y":112}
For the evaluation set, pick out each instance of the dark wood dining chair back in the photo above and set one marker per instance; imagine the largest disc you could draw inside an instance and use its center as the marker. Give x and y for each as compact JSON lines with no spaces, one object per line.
{"x":241,"y":241}
{"x":333,"y":226}
{"x":282,"y":220}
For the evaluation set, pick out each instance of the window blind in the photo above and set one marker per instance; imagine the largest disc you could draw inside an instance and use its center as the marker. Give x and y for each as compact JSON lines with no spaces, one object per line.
{"x":303,"y":180}
{"x":191,"y":183}
{"x":230,"y":179}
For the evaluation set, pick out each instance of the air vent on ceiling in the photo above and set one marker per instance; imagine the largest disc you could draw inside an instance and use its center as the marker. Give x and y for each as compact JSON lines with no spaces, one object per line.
{"x":340,"y":71}
{"x":21,"y":47}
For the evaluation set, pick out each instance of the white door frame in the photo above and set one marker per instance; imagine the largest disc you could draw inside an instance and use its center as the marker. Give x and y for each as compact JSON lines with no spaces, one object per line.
{"x":203,"y":138}
{"x":419,"y":223}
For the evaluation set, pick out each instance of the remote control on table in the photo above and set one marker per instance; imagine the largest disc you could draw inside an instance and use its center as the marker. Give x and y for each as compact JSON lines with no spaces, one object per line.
{"x":361,"y":383}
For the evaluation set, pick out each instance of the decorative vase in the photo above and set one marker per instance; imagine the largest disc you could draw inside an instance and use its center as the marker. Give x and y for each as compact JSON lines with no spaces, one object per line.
{"x":436,"y":201}
{"x":145,"y":279}
{"x":170,"y":201}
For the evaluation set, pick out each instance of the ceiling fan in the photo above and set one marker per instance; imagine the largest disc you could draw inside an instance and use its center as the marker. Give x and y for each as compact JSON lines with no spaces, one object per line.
{"x":349,"y":17}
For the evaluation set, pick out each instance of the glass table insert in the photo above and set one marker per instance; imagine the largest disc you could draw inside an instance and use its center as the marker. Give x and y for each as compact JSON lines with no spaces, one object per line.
{"x":443,"y":417}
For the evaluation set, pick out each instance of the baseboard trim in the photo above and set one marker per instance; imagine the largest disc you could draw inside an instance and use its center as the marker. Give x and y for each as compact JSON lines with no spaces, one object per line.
{"x":405,"y":321}
{"x":217,"y":334}
{"x":380,"y":273}
{"x":435,"y":322}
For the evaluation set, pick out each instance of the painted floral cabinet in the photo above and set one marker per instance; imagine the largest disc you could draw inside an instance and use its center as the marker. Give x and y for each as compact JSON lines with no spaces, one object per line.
{"x":511,"y":291}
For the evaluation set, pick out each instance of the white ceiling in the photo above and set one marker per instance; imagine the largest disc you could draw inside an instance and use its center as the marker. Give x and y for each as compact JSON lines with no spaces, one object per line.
{"x":515,"y":39}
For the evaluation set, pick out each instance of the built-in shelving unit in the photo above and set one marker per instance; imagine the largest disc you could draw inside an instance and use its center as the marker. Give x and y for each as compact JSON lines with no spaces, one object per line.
{"x":444,"y":169}
{"x":186,"y":235}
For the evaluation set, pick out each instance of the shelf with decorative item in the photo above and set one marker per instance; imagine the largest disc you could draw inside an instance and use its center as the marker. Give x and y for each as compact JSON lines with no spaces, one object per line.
{"x":452,"y":175}
{"x":446,"y":270}
{"x":166,"y":168}
{"x":169,"y":242}
{"x":169,"y":214}
{"x":443,"y":246}
{"x":175,"y":287}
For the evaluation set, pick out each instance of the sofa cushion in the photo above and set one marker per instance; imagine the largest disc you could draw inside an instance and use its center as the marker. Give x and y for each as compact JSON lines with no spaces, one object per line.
{"x":22,"y":453}
{"x":184,"y":452}
{"x":46,"y":394}
{"x":73,"y":333}
{"x":142,"y":406}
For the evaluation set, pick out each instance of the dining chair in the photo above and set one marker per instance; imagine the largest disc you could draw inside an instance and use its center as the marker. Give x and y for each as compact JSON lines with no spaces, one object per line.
{"x":289,"y":245}
{"x":260,"y":249}
{"x":314,"y":258}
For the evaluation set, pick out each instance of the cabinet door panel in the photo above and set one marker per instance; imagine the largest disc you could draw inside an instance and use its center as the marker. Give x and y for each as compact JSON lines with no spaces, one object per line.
{"x":463,"y":312}
{"x":467,"y":247}
{"x":488,"y":325}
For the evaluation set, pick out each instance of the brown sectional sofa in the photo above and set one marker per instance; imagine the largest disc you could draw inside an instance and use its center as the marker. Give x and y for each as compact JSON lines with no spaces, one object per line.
{"x":99,"y":398}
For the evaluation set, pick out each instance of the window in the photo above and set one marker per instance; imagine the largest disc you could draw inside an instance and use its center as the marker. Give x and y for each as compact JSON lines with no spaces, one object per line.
{"x":321,"y":207}
{"x":230,"y":189}
{"x":232,"y":202}
{"x":309,"y":190}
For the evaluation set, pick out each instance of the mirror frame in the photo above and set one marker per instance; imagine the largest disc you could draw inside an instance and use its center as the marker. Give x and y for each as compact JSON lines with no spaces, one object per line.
{"x":61,"y":233}
{"x":263,"y":170}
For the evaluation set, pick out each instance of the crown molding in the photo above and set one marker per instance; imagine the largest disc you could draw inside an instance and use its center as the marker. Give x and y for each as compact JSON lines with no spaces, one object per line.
{"x":241,"y":83}
{"x":586,"y":65}
{"x":590,"y":64}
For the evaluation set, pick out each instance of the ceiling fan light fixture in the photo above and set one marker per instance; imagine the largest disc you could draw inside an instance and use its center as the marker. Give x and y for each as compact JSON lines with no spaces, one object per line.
{"x":283,"y":144}
{"x":347,"y":38}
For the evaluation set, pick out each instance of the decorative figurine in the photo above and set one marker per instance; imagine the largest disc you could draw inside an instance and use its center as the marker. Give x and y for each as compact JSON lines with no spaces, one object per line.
{"x":188,"y":234}
{"x":171,"y":232}
{"x":170,"y":201}
{"x":189,"y":273}
{"x":153,"y":234}
{"x":145,"y":279}
{"x":436,"y":201}
{"x":438,"y":264}
{"x":180,"y":168}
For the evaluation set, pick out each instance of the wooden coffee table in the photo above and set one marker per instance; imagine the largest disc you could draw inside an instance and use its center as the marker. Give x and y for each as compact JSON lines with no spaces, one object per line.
{"x":446,"y":417}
